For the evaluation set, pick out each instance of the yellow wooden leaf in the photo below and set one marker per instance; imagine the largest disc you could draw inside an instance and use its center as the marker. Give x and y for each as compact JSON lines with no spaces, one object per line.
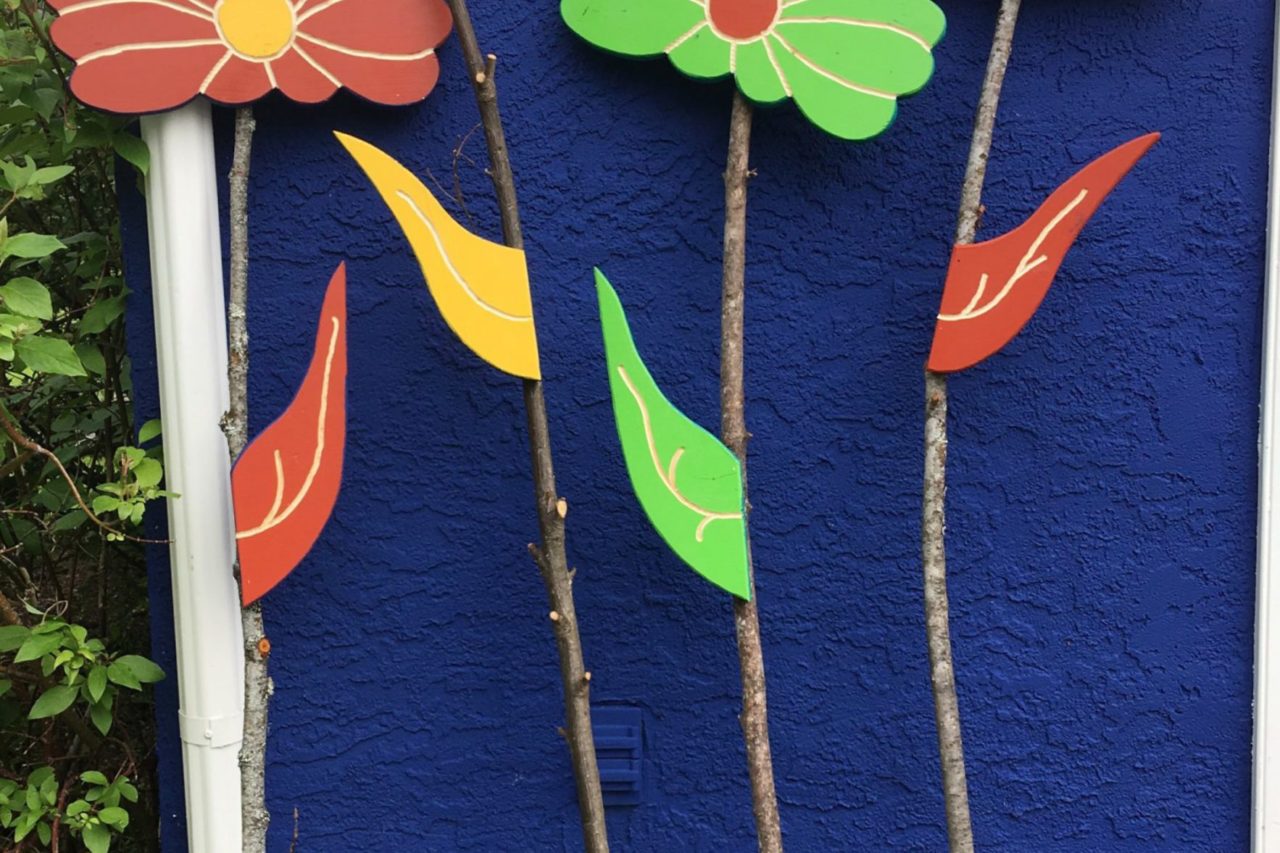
{"x":481,"y":287}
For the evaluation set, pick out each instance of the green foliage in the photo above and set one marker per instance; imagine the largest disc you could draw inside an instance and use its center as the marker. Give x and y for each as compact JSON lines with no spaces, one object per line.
{"x":73,"y":667}
{"x":140,"y":473}
{"x":31,"y":807}
{"x":35,"y":808}
{"x":76,"y":728}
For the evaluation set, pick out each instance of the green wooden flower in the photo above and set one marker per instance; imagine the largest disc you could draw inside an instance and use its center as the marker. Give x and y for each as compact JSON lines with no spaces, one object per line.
{"x":845,"y":62}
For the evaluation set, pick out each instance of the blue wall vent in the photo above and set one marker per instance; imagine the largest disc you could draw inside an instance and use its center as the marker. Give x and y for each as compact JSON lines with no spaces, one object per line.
{"x":619,"y":734}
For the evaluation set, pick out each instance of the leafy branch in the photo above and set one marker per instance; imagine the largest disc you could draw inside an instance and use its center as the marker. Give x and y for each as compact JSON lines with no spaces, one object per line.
{"x":33,"y":447}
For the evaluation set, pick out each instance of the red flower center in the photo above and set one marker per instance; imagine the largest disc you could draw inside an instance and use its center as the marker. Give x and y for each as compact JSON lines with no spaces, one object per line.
{"x":743,"y":19}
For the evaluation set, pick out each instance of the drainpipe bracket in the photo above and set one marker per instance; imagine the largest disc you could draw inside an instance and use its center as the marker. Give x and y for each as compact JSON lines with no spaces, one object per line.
{"x":211,"y":732}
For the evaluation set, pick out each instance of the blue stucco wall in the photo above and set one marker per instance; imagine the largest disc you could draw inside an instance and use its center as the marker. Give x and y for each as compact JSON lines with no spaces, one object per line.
{"x":1103,"y":468}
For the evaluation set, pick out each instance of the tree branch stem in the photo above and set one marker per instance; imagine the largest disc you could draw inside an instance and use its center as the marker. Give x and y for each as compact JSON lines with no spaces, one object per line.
{"x":551,"y":556}
{"x":257,"y":681}
{"x":946,"y":703}
{"x":733,"y":427}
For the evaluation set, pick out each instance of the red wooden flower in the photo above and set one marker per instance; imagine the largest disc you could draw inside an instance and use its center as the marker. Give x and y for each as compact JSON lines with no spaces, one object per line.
{"x":143,"y":56}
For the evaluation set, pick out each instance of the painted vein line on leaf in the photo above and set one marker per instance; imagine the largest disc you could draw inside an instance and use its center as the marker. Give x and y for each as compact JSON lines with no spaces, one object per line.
{"x":1030,"y":261}
{"x":448,"y":262}
{"x":668,"y":477}
{"x":864,"y":24}
{"x":279,"y":499}
{"x":275,"y":518}
{"x":835,"y":78}
{"x":367,"y":54}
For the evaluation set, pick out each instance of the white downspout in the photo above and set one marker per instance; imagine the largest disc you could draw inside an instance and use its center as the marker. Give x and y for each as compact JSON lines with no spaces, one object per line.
{"x":1266,"y":704}
{"x":191,"y":348}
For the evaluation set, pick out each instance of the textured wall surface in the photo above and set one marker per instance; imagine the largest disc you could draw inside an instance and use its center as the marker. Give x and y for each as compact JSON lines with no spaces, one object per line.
{"x":1103,"y":467}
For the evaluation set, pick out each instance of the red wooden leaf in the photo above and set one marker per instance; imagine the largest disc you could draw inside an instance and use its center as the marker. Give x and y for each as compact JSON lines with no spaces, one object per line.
{"x":994,"y":288}
{"x":286,"y":482}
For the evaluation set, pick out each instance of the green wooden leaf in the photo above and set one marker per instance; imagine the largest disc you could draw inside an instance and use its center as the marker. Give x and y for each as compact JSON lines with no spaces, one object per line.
{"x":28,"y":297}
{"x":689,"y":484}
{"x":844,"y":62}
{"x":53,"y":701}
{"x":49,"y":355}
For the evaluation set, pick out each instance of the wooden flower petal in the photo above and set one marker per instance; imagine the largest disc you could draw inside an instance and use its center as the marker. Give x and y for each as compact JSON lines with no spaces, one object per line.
{"x":106,"y":81}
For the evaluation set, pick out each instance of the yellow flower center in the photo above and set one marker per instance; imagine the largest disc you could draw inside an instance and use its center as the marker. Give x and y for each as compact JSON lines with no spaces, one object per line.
{"x":256,"y":29}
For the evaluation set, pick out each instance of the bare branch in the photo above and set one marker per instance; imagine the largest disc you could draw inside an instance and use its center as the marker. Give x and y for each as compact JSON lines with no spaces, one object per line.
{"x":946,"y":701}
{"x":257,"y":682}
{"x":733,"y":426}
{"x":551,"y":557}
{"x":16,"y":436}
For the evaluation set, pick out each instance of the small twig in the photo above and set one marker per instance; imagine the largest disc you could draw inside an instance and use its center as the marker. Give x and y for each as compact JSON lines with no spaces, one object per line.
{"x":16,"y":436}
{"x":23,"y":576}
{"x":16,"y":463}
{"x":946,"y":702}
{"x":61,"y":808}
{"x":293,"y":842}
{"x":458,"y":155}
